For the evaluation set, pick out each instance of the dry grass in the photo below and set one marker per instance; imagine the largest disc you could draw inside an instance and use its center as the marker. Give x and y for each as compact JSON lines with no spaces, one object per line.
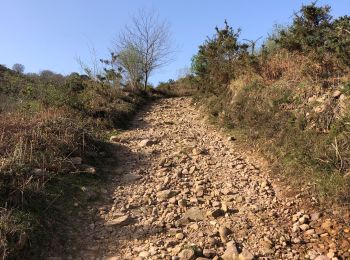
{"x":34,"y":150}
{"x":23,"y":136}
{"x":181,"y":87}
{"x":296,"y":67}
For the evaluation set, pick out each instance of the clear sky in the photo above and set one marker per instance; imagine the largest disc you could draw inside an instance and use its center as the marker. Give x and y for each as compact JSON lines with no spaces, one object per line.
{"x":51,"y":34}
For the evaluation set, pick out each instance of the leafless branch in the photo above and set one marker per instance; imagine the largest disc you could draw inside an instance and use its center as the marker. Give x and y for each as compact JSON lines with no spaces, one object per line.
{"x":144,"y":46}
{"x":92,"y":68}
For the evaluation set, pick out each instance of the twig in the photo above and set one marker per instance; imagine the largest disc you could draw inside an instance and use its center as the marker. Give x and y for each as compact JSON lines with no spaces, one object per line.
{"x":324,"y":161}
{"x":48,"y":206}
{"x":338,"y":155}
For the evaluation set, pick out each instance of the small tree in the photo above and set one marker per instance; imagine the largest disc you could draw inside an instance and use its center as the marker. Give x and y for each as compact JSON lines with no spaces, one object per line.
{"x":144,"y":46}
{"x":216,"y":60}
{"x":19,"y":68}
{"x":131,"y":61}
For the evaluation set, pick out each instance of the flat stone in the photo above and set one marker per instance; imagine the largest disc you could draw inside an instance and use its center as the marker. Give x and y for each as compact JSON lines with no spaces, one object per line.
{"x":192,"y":169}
{"x":144,"y":254}
{"x":315,"y":216}
{"x":304,"y":219}
{"x":226,"y":191}
{"x":231,"y":252}
{"x":246,"y":255}
{"x":304,"y":227}
{"x":130,"y":177}
{"x":327,"y":225}
{"x":224,"y":232}
{"x":309,"y":232}
{"x":196,"y":151}
{"x":165,"y":194}
{"x":122,"y":220}
{"x":194,"y":214}
{"x":264,"y":184}
{"x":322,"y":257}
{"x":266,"y":246}
{"x":215,"y":213}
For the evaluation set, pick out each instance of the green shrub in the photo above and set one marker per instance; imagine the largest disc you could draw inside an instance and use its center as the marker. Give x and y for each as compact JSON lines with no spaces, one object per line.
{"x":217,"y":59}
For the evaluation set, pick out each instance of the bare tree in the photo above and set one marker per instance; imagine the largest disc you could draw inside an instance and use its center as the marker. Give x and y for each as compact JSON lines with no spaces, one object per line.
{"x":19,"y":68}
{"x":150,"y":38}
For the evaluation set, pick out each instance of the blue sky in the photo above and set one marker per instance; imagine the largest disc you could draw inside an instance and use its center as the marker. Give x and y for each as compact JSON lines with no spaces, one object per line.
{"x":51,"y":34}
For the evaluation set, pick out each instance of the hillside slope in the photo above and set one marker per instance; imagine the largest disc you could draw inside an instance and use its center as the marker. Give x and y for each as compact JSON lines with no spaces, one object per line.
{"x":52,"y":133}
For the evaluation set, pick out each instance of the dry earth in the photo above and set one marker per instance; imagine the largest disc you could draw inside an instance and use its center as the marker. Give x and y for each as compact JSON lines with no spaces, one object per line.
{"x":182,"y":191}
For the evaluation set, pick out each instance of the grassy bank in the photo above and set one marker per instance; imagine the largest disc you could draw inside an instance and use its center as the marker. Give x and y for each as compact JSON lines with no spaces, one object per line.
{"x":292,"y":132}
{"x":52,"y":135}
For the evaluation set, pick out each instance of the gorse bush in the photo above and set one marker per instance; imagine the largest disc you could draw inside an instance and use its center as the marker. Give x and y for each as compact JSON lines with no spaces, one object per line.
{"x":308,"y":32}
{"x":315,"y":31}
{"x":217,"y":59}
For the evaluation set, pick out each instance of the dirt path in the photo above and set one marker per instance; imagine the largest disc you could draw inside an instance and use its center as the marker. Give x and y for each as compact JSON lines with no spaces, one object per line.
{"x":181,"y":191}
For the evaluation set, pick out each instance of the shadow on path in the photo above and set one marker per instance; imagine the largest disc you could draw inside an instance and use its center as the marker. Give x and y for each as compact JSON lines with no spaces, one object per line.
{"x":90,"y":234}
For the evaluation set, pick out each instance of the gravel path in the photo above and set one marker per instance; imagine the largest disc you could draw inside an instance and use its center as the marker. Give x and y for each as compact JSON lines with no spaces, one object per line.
{"x":182,"y":191}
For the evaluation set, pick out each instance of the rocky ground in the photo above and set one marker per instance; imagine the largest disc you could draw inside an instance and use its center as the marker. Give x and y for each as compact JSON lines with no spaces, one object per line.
{"x":183,"y":191}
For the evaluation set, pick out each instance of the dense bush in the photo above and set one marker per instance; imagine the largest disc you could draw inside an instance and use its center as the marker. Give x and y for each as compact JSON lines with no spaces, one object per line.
{"x":217,"y":59}
{"x":314,"y":31}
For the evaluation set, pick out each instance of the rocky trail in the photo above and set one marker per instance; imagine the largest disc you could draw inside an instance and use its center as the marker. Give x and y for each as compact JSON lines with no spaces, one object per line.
{"x":182,"y":190}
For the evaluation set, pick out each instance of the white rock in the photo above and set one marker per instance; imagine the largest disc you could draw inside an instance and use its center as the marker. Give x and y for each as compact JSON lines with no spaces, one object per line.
{"x":146,"y":142}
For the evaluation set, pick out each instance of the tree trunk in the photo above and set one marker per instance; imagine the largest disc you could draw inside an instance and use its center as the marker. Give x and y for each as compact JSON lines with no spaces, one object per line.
{"x":146,"y":81}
